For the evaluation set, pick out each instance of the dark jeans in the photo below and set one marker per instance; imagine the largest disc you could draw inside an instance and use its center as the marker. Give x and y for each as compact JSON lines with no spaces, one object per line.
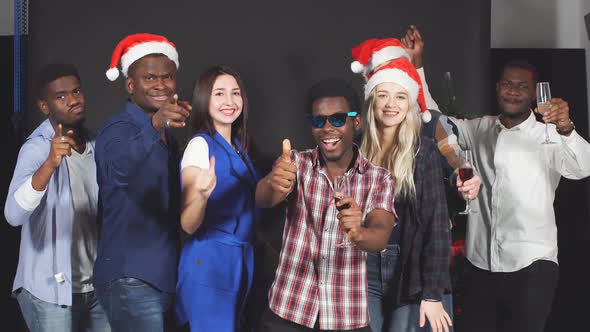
{"x":508,"y":301}
{"x":273,"y":323}
{"x":133,"y":305}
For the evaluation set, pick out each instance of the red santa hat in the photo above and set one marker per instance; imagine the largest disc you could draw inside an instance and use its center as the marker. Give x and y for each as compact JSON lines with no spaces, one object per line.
{"x":373,"y":52}
{"x":382,"y":66}
{"x":135,"y":47}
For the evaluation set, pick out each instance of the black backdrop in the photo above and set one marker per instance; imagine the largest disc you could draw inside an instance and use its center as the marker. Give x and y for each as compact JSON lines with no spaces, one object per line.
{"x":280,"y":48}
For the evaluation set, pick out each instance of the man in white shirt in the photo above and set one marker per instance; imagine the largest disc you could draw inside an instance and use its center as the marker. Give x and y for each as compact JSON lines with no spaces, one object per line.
{"x":511,"y":243}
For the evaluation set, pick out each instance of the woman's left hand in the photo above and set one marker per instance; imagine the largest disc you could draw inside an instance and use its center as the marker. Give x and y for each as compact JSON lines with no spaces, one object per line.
{"x":437,"y":317}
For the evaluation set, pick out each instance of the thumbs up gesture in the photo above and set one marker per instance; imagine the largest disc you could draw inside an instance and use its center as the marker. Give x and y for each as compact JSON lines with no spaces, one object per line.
{"x":284,"y":171}
{"x":206,"y":180}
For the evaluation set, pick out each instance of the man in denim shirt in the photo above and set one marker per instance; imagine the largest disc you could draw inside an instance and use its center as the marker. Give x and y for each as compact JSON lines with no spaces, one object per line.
{"x":138,"y":176}
{"x":53,"y":195}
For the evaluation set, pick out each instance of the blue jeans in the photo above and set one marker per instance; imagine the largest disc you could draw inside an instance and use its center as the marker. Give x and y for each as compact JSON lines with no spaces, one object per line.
{"x":133,"y":305}
{"x":85,"y":313}
{"x":385,"y":314}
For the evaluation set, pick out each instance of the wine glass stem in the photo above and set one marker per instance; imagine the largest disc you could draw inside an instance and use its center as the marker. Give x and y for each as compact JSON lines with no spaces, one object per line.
{"x":467,"y":205}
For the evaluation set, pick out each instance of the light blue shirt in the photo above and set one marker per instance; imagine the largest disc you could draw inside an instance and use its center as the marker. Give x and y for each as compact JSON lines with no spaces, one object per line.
{"x":44,"y":266}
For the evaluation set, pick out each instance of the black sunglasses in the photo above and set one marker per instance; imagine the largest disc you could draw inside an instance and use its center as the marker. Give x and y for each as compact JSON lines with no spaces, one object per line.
{"x":336,"y":119}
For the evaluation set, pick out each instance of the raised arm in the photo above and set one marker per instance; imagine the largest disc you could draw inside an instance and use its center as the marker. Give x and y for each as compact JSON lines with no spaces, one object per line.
{"x":572,"y":159}
{"x":198,"y":182}
{"x":35,"y":167}
{"x":414,"y":45}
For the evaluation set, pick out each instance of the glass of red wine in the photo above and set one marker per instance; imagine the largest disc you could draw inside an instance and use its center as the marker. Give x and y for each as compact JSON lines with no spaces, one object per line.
{"x":342,"y":190}
{"x":466,"y":173}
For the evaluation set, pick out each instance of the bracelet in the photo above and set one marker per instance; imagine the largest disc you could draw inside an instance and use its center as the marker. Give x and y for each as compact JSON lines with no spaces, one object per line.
{"x":430,"y":300}
{"x":566,"y":132}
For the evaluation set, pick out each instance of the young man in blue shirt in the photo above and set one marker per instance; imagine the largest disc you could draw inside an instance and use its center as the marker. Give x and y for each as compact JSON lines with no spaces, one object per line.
{"x":138,"y":176}
{"x":53,"y":195}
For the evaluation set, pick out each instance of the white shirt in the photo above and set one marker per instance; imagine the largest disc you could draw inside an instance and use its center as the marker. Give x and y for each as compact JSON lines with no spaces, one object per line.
{"x":515,"y":223}
{"x":196,"y":154}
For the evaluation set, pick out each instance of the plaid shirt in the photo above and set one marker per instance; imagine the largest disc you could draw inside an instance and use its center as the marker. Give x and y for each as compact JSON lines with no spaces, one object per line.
{"x":314,"y":276}
{"x":426,"y":231}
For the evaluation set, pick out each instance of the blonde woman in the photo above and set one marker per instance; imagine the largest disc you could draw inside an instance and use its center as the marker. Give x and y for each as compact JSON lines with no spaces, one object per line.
{"x":409,"y":282}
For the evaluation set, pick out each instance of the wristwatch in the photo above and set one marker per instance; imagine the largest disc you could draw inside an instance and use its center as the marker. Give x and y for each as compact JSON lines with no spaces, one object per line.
{"x":568,"y":131}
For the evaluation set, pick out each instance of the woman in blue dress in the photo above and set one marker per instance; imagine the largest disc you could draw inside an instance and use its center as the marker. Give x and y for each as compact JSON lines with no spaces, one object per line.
{"x":218,"y":208}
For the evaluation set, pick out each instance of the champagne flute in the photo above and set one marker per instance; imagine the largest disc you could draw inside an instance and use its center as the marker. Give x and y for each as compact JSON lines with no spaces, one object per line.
{"x":543,"y":105}
{"x":466,"y":173}
{"x":341,"y":190}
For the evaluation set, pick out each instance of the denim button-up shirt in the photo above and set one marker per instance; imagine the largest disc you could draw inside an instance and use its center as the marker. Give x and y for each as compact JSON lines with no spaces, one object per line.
{"x":46,"y":235}
{"x":139,"y":183}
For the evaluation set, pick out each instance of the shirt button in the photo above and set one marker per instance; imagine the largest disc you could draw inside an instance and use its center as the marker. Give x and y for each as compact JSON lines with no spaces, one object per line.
{"x":323,"y":256}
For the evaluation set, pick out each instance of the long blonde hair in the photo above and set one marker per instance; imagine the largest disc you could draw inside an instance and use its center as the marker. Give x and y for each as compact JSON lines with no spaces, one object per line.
{"x":399,"y":160}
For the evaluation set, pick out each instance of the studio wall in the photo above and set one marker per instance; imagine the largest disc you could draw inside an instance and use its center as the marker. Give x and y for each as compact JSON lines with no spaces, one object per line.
{"x":279,"y":47}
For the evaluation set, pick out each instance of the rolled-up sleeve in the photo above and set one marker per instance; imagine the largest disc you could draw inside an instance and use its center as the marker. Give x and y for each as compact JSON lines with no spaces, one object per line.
{"x":21,"y":201}
{"x":573,"y":159}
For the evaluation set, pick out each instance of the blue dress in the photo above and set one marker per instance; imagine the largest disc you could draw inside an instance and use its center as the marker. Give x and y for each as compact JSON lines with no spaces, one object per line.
{"x":217,"y":262}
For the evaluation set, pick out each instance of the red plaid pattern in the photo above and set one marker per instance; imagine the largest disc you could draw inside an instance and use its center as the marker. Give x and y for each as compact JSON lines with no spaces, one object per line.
{"x":314,"y":276}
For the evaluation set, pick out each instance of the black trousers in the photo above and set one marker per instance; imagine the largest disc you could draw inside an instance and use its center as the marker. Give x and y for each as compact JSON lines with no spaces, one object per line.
{"x":508,"y":301}
{"x":273,"y":323}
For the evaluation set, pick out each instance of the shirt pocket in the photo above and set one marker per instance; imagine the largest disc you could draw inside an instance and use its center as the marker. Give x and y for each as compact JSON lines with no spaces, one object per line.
{"x":214,"y":264}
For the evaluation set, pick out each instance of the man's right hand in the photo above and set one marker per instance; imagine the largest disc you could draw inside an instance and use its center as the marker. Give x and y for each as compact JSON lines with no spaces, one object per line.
{"x":61,"y":146}
{"x":172,"y":115}
{"x":284,"y":171}
{"x":414,"y":45}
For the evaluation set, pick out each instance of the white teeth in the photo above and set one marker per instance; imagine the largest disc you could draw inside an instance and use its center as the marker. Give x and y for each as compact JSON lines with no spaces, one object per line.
{"x":331,"y":140}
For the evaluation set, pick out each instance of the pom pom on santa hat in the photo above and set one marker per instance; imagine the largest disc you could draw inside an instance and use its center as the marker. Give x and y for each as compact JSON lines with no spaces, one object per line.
{"x":135,"y":47}
{"x":372,"y":53}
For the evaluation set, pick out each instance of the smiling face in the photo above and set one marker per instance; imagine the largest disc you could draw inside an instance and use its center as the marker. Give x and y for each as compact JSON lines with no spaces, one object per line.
{"x":391,"y":104}
{"x":63,"y":102}
{"x":515,"y":91}
{"x":225,"y":102}
{"x":334,"y":142}
{"x":151,"y":82}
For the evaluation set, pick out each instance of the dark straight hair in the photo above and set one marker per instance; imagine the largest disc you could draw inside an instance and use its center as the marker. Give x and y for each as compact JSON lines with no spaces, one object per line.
{"x":201,"y":121}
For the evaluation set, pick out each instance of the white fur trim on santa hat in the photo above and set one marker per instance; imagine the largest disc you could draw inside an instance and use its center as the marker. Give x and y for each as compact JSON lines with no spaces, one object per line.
{"x":140,"y":50}
{"x":393,"y":75}
{"x":386,"y":54}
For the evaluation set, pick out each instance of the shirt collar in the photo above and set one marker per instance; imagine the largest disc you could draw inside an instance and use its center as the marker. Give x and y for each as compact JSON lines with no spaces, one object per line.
{"x":526,"y":125}
{"x":137,"y":114}
{"x":47,"y":131}
{"x":360,"y":163}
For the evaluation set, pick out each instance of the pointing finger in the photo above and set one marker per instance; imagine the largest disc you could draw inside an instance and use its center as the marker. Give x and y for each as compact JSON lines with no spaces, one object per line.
{"x":59,"y":131}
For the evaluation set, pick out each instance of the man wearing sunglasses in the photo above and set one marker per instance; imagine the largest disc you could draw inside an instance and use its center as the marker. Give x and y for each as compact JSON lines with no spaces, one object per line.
{"x":320,"y":283}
